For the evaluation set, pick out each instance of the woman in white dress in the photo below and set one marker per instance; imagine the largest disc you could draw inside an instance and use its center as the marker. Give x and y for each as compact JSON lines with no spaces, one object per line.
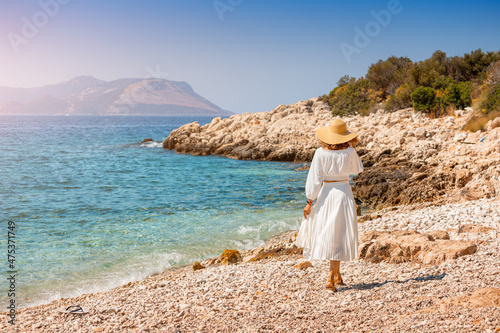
{"x":329,"y":230}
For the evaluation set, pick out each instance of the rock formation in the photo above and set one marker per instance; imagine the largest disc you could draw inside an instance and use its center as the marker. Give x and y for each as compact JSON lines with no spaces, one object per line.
{"x":399,"y":246}
{"x":408,"y":157}
{"x":230,"y":257}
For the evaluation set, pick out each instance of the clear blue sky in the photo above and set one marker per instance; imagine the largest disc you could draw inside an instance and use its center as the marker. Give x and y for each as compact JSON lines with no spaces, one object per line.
{"x":243,"y":55}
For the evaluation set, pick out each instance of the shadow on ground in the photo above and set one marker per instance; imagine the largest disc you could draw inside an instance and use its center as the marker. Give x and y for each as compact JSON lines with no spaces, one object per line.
{"x":364,"y":286}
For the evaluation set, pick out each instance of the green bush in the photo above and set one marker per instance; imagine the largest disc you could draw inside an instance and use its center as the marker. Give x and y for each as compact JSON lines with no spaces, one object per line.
{"x":430,"y":70}
{"x":424,"y":99}
{"x":346,"y":79}
{"x":350,"y":98}
{"x":401,"y":99}
{"x":492,"y":99}
{"x":472,"y":65}
{"x":458,"y":94}
{"x":387,"y":75}
{"x":398,"y":83}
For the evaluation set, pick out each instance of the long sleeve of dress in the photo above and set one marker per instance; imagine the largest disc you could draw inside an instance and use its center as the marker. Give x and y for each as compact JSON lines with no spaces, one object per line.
{"x":356,"y":165}
{"x":314,"y":179}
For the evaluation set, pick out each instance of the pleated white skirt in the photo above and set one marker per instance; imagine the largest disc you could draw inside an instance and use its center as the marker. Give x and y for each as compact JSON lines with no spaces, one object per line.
{"x":331,"y":230}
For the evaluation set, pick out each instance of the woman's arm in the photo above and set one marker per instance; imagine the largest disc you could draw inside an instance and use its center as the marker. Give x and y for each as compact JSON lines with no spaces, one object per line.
{"x":313,"y":183}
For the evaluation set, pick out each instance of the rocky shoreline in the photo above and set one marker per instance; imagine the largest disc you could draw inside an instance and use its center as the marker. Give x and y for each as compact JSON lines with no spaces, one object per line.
{"x":272,"y":294}
{"x":408,"y":157}
{"x":428,"y":256}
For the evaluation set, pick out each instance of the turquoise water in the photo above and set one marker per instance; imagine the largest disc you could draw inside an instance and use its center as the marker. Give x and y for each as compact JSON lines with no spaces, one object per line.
{"x":95,"y":209}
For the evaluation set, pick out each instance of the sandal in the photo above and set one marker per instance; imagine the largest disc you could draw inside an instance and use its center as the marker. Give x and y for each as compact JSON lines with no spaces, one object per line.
{"x":330,"y":286}
{"x":74,"y":309}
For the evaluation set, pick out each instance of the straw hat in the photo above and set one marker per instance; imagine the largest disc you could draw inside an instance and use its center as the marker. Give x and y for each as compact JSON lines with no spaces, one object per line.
{"x":336,"y":133}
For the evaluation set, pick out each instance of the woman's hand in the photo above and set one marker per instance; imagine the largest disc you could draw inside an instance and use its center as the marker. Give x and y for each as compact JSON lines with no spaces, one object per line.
{"x":307,"y":210}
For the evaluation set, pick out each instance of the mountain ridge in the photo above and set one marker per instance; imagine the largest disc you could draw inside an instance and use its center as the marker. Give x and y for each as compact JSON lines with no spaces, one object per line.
{"x":86,"y":95}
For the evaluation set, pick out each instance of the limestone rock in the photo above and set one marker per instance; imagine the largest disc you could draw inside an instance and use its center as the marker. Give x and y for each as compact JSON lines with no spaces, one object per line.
{"x":197,"y":266}
{"x":230,"y":257}
{"x":402,"y":246}
{"x":474,"y":228}
{"x":459,"y":137}
{"x":463,"y":177}
{"x":492,"y":124}
{"x":303,"y":265}
{"x":479,"y":298}
{"x":276,"y":252}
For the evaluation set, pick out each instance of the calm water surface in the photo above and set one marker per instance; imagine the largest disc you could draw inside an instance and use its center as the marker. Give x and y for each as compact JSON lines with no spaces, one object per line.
{"x":95,"y":209}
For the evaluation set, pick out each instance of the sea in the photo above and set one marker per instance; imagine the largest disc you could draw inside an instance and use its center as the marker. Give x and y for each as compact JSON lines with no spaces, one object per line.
{"x":86,"y":207}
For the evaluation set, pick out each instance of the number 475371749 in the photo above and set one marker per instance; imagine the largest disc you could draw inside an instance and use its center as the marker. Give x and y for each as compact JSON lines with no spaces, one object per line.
{"x":11,"y":245}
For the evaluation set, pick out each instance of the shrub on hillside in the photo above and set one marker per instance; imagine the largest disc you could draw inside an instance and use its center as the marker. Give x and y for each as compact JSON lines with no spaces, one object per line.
{"x":401,"y":99}
{"x":458,"y":94}
{"x":387,"y":75}
{"x":426,"y":72}
{"x":492,"y":99}
{"x":424,"y":99}
{"x":450,"y":93}
{"x":452,"y":83}
{"x":350,"y":98}
{"x":480,"y":121}
{"x":472,"y":65}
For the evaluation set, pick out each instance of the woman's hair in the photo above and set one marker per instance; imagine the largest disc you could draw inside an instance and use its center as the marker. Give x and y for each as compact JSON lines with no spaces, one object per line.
{"x":338,"y":146}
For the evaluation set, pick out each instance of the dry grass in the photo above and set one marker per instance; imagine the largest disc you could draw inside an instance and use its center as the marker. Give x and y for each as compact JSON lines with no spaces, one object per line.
{"x":476,"y":103}
{"x":478,"y":122}
{"x":450,"y":110}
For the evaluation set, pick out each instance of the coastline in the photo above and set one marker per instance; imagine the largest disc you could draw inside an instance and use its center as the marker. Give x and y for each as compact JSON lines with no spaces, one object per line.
{"x":271,"y":295}
{"x":285,"y":298}
{"x":408,"y":157}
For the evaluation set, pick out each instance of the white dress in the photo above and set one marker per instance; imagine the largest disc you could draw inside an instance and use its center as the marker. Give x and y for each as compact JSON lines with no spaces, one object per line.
{"x":331,"y":230}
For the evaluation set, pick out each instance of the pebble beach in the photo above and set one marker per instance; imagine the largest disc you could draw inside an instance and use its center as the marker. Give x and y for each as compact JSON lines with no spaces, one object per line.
{"x":272,"y":295}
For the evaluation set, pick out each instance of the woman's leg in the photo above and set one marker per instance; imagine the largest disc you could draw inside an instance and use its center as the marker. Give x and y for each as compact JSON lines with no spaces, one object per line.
{"x":334,"y":274}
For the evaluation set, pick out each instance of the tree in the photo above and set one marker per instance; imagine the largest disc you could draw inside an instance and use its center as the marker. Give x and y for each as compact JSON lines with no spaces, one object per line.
{"x":430,"y":70}
{"x":346,"y":79}
{"x":388,"y":75}
{"x":472,"y":65}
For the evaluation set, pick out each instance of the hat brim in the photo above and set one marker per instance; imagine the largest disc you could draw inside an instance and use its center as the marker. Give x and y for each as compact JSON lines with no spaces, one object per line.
{"x":327,"y":136}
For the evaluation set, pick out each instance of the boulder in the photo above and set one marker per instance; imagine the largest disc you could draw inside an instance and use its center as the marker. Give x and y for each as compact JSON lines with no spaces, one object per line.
{"x":303,"y":265}
{"x":197,"y":266}
{"x":474,"y":228}
{"x":276,"y":252}
{"x":463,"y":177}
{"x":402,"y":246}
{"x":230,"y":257}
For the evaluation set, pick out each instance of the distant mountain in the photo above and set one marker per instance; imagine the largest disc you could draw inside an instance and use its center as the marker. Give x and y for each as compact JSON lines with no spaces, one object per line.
{"x":86,"y":95}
